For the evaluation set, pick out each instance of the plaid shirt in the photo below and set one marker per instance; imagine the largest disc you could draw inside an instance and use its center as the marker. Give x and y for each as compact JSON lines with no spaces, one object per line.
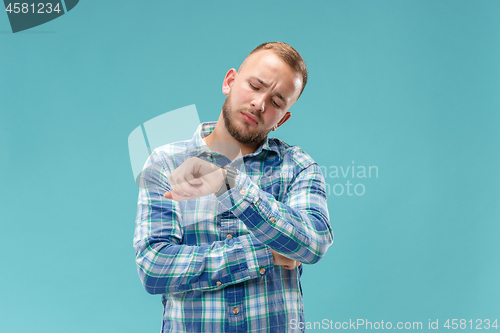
{"x":210,"y":257}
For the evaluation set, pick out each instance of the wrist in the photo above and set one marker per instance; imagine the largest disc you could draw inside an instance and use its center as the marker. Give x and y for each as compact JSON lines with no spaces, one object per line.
{"x":224,"y":175}
{"x":229,"y":181}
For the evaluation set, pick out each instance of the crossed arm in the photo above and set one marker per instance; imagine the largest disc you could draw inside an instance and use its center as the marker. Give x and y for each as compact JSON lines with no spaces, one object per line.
{"x":282,"y":233}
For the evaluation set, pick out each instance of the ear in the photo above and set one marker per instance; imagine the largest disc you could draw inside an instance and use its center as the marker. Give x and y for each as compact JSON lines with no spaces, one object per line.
{"x":228,"y":81}
{"x":284,"y":119}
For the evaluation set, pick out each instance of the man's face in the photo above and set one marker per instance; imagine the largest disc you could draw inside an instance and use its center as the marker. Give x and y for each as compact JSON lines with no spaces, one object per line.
{"x":259,"y":96}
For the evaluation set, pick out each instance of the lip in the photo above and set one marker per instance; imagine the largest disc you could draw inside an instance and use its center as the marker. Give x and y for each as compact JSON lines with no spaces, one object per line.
{"x":250,"y":118}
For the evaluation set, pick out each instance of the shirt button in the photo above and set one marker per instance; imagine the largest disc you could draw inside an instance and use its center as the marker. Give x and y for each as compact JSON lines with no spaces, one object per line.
{"x":242,"y":192}
{"x":272,"y":220}
{"x":209,"y":155}
{"x":236,"y":311}
{"x":229,"y":236}
{"x":262,"y":271}
{"x":219,"y":283}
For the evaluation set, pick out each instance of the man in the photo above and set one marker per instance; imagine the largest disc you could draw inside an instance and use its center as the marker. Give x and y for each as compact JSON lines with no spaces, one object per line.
{"x":225,"y":219}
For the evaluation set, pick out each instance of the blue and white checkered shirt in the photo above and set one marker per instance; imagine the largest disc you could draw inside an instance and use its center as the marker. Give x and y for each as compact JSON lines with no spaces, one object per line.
{"x":210,"y":257}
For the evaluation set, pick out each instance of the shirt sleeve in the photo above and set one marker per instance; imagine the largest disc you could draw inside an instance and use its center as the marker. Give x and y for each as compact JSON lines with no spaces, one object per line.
{"x":298,"y":227}
{"x":165,"y":265}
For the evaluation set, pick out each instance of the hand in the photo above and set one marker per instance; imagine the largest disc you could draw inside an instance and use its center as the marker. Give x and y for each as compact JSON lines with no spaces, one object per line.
{"x":287,"y":263}
{"x":193,"y":179}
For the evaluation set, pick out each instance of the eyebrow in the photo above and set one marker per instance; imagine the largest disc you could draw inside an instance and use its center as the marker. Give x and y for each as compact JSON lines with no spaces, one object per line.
{"x":280,"y":96}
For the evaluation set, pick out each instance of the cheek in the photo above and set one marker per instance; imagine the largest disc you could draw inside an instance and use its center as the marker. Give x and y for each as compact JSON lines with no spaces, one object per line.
{"x":271,"y":116}
{"x":244,"y":95}
{"x":279,"y":116}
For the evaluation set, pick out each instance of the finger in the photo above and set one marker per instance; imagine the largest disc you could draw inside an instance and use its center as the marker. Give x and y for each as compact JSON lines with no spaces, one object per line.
{"x":185,"y":173}
{"x":183,"y":187}
{"x":192,"y":192}
{"x":174,"y":196}
{"x":193,"y":181}
{"x":187,"y":190}
{"x":188,"y":182}
{"x":293,"y":265}
{"x":286,"y":263}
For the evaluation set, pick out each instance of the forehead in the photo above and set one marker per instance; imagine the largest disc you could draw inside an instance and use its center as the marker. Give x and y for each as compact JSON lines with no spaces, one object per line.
{"x":269,"y":67}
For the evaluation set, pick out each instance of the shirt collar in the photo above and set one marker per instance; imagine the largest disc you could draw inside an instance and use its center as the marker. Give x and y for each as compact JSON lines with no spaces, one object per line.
{"x":197,"y":145}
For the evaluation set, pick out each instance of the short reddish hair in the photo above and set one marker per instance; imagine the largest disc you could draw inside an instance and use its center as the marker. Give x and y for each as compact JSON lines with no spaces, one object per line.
{"x":289,"y":55}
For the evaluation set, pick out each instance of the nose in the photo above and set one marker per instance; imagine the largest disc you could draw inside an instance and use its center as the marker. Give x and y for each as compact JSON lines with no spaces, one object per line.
{"x":259,"y":103}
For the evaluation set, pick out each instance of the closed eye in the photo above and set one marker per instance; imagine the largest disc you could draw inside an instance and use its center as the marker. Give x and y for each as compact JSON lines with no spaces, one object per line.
{"x":253,"y":87}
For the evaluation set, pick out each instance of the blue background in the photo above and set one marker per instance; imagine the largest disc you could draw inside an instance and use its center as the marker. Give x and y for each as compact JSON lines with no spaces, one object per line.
{"x":411,"y":87}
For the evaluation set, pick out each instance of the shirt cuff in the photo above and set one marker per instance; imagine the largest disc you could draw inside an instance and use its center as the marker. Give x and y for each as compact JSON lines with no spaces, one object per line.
{"x":243,"y":195}
{"x":259,"y":257}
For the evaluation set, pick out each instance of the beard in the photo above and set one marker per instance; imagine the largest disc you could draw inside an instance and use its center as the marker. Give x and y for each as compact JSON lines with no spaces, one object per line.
{"x":239,"y":132}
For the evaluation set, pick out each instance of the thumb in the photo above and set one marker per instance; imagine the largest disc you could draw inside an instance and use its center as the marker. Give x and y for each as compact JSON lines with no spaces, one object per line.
{"x":168,"y":195}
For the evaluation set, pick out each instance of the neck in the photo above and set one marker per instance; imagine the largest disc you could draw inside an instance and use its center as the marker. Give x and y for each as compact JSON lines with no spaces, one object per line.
{"x":222,"y":142}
